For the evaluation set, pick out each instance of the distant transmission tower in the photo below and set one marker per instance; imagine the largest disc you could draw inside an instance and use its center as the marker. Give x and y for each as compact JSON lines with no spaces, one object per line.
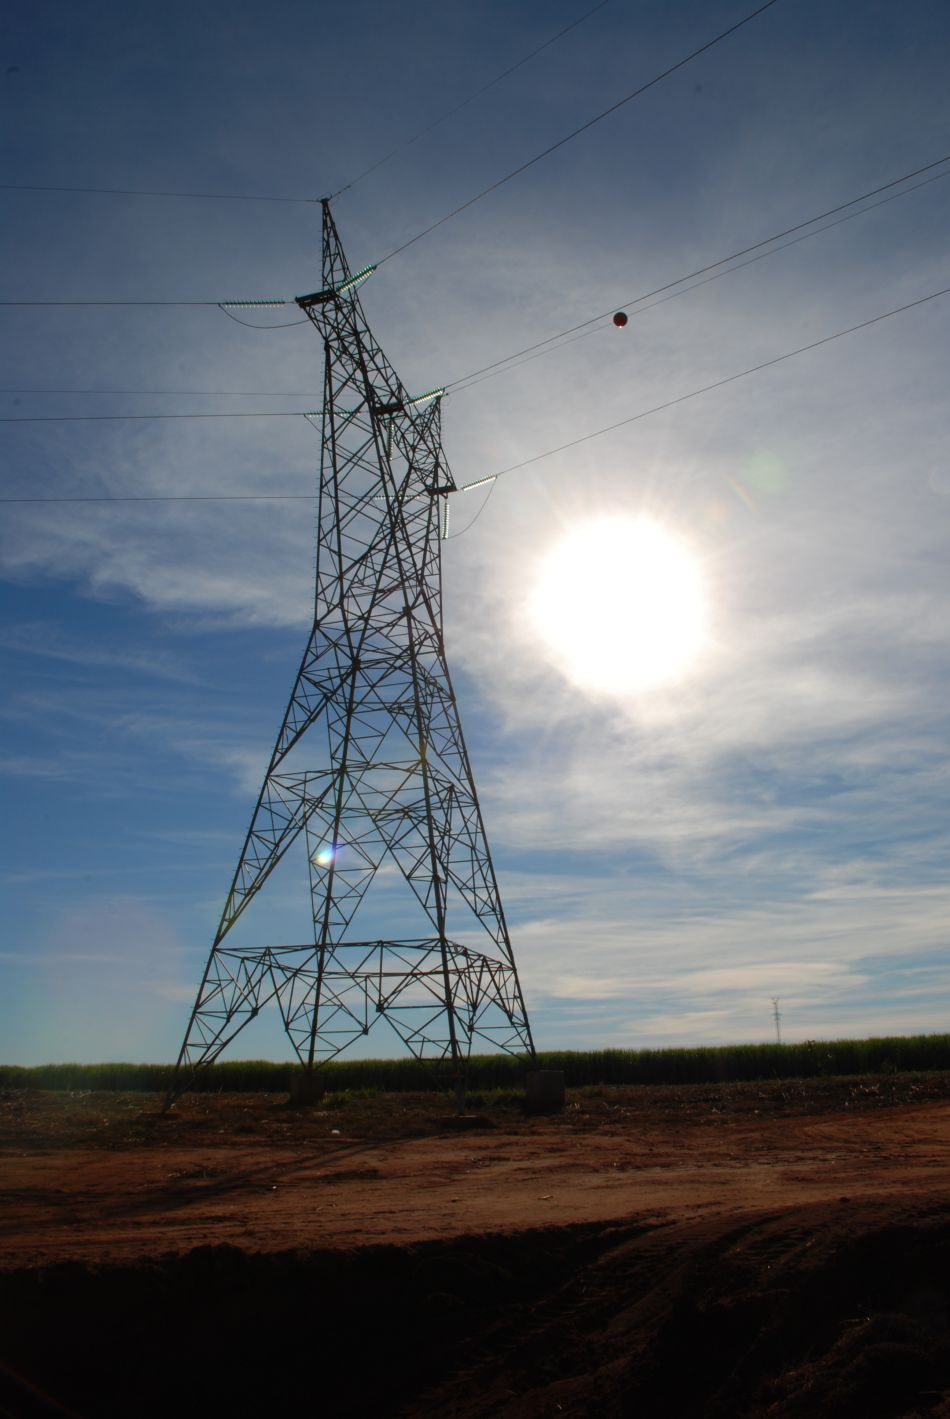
{"x":777,"y":1015}
{"x":370,"y":763}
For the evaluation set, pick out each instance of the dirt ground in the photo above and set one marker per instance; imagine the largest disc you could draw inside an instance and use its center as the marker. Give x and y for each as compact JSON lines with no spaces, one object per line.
{"x":776,"y":1249}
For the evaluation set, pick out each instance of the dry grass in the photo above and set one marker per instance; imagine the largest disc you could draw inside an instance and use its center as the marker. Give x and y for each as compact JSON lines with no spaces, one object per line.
{"x":36,"y":1119}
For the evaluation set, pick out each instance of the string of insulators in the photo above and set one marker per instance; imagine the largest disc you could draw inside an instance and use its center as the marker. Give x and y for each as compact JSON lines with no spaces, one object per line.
{"x":424,"y":398}
{"x":251,"y":305}
{"x":356,"y":280}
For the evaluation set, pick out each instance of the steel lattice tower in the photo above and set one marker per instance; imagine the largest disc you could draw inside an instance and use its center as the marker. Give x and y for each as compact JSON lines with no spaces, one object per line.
{"x":370,"y":763}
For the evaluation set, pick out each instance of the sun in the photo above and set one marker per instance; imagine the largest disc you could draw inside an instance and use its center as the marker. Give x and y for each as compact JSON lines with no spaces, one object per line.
{"x":621,"y":606}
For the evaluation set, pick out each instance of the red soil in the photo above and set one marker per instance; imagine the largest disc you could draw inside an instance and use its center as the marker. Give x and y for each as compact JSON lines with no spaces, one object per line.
{"x":748,"y":1250}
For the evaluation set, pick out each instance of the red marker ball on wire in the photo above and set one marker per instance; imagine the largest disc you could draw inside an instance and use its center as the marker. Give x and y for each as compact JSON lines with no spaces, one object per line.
{"x":620,"y":319}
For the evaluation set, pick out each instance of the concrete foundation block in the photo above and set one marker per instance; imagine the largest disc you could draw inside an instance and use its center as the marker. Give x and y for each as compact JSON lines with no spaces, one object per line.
{"x":544,"y":1091}
{"x":306,"y":1089}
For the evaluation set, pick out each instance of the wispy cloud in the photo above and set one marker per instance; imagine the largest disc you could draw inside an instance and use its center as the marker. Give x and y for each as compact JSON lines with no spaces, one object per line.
{"x":772,"y":823}
{"x":25,"y":766}
{"x":43,"y":639}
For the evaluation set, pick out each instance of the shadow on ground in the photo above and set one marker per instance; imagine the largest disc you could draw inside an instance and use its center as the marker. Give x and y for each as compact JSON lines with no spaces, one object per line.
{"x":831,"y":1310}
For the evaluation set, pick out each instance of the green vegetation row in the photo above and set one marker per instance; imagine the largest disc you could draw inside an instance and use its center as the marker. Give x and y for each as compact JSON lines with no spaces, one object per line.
{"x":724,"y":1064}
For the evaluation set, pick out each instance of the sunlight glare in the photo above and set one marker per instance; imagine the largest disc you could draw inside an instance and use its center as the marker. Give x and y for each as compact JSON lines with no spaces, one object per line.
{"x":620,"y":602}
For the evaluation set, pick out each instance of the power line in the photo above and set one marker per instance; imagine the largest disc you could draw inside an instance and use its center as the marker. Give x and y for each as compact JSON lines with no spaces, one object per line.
{"x":516,"y":172}
{"x":111,"y":418}
{"x":149,"y":192}
{"x":490,"y":477}
{"x":706,"y":388}
{"x":177,"y":498}
{"x":45,"y":303}
{"x":225,"y":306}
{"x":207,"y":393}
{"x":251,"y":325}
{"x":463,"y":380}
{"x":450,"y":537}
{"x":596,"y":327}
{"x":401,"y":147}
{"x":257,"y":197}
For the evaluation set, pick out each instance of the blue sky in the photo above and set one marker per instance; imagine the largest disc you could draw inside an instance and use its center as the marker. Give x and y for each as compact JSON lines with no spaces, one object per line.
{"x":773,"y":823}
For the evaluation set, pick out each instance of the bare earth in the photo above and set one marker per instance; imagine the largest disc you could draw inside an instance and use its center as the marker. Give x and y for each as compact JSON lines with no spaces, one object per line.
{"x":775,"y":1249}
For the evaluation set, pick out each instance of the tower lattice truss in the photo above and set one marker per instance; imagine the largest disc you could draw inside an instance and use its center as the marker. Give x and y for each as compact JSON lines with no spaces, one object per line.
{"x":370,"y":768}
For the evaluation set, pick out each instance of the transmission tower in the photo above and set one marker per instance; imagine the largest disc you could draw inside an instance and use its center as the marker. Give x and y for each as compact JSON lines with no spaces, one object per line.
{"x":370,"y":765}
